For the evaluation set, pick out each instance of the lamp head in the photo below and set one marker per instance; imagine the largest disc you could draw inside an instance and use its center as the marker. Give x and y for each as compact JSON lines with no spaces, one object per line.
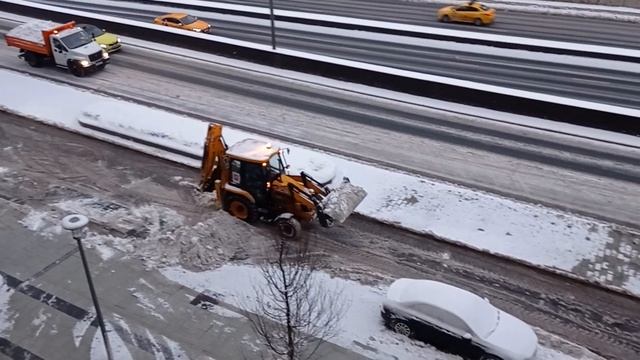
{"x":75,"y":223}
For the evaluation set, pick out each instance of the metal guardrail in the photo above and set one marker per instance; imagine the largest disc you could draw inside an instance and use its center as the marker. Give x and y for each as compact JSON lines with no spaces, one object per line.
{"x":622,"y":121}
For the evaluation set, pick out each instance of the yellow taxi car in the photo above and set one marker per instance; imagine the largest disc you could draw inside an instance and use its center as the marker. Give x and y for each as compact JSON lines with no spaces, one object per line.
{"x":108,"y":41}
{"x":471,"y":12}
{"x":183,"y":21}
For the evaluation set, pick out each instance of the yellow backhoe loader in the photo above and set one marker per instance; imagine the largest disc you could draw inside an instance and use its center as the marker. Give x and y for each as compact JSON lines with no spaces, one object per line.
{"x":251,"y":182}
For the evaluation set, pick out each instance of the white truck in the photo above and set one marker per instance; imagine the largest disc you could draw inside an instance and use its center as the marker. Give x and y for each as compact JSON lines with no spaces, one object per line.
{"x":65,"y":45}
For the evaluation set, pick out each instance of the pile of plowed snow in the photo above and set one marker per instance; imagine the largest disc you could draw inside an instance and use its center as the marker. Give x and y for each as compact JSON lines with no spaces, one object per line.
{"x":156,"y":234}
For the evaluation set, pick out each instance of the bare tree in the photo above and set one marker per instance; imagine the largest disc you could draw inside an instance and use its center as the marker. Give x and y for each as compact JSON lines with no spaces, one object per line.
{"x":294,"y":312}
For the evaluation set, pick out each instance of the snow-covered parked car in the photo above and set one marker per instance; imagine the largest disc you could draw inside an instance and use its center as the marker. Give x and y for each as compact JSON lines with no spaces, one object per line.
{"x":457,"y":321}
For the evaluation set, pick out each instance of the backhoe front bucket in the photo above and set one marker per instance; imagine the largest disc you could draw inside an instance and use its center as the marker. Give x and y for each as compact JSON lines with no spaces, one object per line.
{"x":342,"y":200}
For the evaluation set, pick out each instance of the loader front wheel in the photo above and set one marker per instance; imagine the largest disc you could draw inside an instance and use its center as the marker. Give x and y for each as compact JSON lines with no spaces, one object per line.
{"x":241,"y":208}
{"x":290,"y":227}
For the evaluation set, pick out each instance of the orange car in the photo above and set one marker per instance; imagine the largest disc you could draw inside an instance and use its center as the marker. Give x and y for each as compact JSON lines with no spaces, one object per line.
{"x":471,"y":12}
{"x":183,"y":21}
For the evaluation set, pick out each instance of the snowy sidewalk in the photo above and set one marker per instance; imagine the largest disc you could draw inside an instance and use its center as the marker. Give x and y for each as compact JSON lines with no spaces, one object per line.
{"x":542,"y":236}
{"x":149,"y":316}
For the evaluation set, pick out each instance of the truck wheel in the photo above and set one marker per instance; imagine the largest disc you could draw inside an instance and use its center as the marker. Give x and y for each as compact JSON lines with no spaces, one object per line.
{"x":75,"y":68}
{"x":32,"y":59}
{"x":241,"y":208}
{"x":289,"y":227}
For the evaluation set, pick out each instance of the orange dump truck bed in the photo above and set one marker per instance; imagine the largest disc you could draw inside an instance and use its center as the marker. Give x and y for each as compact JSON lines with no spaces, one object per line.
{"x":34,"y":35}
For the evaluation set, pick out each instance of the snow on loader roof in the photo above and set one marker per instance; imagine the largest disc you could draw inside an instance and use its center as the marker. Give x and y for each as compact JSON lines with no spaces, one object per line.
{"x":252,"y":150}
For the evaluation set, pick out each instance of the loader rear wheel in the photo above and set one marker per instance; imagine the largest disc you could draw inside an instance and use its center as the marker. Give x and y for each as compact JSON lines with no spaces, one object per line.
{"x":290,"y":228}
{"x":241,"y":208}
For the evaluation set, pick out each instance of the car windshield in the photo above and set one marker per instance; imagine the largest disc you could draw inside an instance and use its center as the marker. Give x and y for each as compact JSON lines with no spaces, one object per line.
{"x":484,"y":7}
{"x":76,"y":39}
{"x":92,"y":30}
{"x":484,"y":318}
{"x":188,"y":19}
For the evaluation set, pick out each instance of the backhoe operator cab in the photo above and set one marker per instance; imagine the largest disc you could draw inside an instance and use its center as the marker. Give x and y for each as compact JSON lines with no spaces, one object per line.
{"x":251,"y":182}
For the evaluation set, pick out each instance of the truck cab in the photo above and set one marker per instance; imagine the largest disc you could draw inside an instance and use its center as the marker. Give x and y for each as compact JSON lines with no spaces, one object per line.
{"x":76,"y":50}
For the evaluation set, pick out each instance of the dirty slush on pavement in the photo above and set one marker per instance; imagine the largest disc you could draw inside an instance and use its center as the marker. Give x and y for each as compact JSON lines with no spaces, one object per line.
{"x":156,"y":214}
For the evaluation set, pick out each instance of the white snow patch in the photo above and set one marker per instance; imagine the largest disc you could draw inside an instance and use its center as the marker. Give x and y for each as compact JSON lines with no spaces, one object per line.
{"x":105,"y":251}
{"x":155,"y":347}
{"x":633,"y":283}
{"x":40,"y":321}
{"x":219,"y":310}
{"x":35,"y":220}
{"x":42,"y":222}
{"x":118,"y":347}
{"x":146,"y":283}
{"x":176,"y":350}
{"x":145,"y":303}
{"x":6,"y":321}
{"x":4,"y":170}
{"x":252,"y":343}
{"x":80,"y":328}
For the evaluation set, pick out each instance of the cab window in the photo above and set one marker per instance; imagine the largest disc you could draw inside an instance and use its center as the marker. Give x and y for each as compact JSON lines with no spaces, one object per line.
{"x":58,"y":45}
{"x":275,"y":166}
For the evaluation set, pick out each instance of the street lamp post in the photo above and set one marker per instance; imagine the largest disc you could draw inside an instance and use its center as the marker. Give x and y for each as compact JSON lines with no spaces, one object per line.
{"x":273,"y":25}
{"x":76,"y":224}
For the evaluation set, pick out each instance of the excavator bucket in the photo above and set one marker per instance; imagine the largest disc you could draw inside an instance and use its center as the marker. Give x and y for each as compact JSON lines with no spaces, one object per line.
{"x":342,"y":200}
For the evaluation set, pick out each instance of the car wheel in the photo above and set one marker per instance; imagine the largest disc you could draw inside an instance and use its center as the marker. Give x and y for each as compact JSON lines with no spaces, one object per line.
{"x":445,"y":19}
{"x":478,"y":22}
{"x":401,"y":328}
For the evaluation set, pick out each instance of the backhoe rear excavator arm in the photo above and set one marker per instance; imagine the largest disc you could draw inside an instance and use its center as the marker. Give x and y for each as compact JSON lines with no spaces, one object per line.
{"x":214,"y":150}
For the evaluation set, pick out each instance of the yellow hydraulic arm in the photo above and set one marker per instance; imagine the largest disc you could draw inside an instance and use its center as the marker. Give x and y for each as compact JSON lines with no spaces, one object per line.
{"x":214,"y":150}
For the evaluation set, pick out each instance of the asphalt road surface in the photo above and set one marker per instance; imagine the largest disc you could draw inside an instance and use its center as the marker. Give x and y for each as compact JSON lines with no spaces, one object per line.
{"x":52,"y":165}
{"x":616,"y":83}
{"x":541,"y":26}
